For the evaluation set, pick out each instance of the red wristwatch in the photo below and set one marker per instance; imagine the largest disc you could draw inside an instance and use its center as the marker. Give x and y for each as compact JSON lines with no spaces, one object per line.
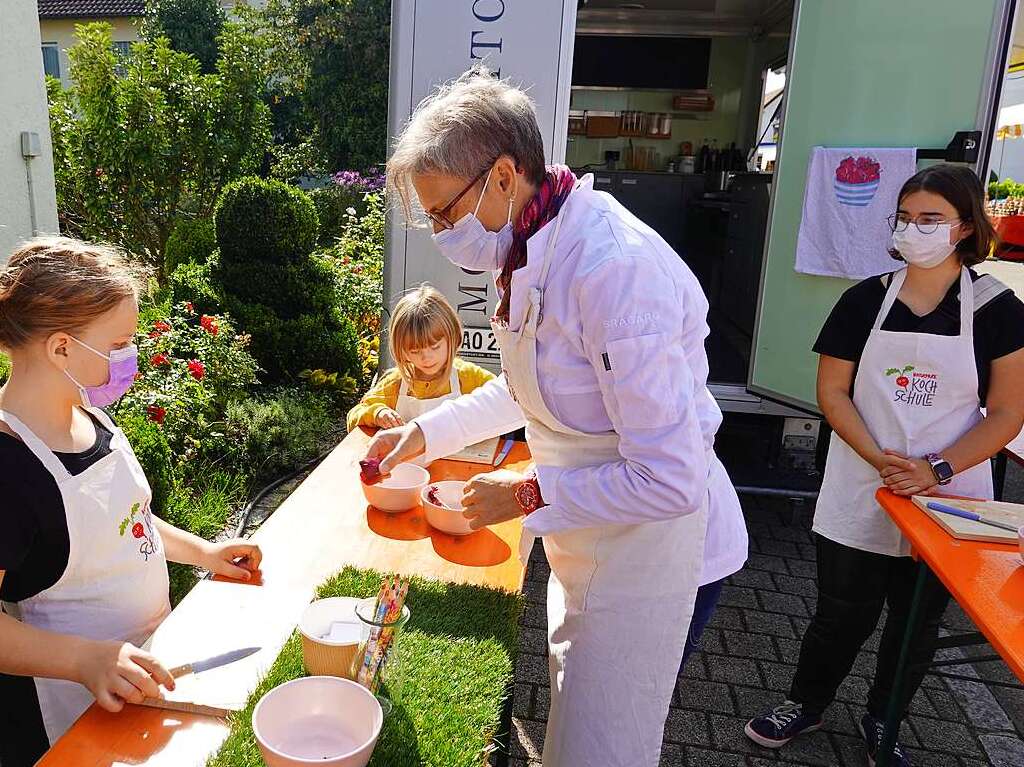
{"x":528,"y":495}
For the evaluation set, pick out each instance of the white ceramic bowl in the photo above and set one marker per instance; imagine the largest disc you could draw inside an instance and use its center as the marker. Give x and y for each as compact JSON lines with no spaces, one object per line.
{"x":317,"y":720}
{"x":448,"y":520}
{"x":400,"y":490}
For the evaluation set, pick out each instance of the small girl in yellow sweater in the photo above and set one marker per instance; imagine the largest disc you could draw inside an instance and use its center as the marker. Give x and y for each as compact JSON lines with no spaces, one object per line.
{"x":424,"y":335}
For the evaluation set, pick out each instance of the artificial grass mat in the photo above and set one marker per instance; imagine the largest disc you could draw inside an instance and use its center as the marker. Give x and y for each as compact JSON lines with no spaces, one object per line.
{"x":455,"y":655}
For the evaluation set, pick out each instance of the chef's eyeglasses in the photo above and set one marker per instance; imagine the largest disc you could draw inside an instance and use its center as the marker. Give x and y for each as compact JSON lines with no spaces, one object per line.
{"x":440,"y":217}
{"x":899,"y":222}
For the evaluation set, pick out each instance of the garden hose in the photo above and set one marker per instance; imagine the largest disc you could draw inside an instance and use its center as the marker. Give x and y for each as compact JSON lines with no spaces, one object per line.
{"x":243,"y":521}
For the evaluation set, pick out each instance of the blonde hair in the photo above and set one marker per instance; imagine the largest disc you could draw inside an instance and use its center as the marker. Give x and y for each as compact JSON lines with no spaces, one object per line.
{"x":52,"y":284}
{"x":462,"y":128}
{"x":422,"y":317}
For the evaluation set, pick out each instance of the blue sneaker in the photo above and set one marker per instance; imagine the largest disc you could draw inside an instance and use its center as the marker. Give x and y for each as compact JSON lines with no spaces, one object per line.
{"x":779,"y":726}
{"x":872,"y":729}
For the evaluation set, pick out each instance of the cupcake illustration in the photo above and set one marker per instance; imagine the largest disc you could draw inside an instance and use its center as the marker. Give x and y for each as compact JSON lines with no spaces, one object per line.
{"x":857,"y":180}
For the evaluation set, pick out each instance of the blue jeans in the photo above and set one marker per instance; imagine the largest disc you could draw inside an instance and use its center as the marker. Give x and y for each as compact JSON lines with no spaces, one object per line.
{"x":703,"y":609}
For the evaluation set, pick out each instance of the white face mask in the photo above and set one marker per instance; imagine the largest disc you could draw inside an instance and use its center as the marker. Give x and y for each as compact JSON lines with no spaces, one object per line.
{"x":471,"y":246}
{"x":924,"y":250}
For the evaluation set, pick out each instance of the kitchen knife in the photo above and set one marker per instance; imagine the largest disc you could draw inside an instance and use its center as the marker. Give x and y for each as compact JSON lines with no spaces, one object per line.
{"x":953,"y":511}
{"x":216,"y":661}
{"x":503,"y":453}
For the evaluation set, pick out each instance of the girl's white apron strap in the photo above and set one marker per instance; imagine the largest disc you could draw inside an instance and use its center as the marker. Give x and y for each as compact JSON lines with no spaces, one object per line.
{"x":966,"y":303}
{"x":895,"y":284}
{"x":36,"y":445}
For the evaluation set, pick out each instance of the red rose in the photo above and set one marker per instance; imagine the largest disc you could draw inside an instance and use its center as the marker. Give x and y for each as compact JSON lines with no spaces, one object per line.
{"x":154,"y":334}
{"x":902,"y":381}
{"x":159,"y":359}
{"x":209,"y":324}
{"x":156,"y":413}
{"x":188,"y":307}
{"x":138,"y":377}
{"x":196,"y":369}
{"x":137,"y":530}
{"x":161,"y":326}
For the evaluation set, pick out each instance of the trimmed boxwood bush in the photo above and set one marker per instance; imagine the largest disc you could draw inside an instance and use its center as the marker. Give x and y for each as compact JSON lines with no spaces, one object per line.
{"x":264,"y":221}
{"x":287,"y":346}
{"x":191,"y":242}
{"x":289,"y":290}
{"x":268,"y":280}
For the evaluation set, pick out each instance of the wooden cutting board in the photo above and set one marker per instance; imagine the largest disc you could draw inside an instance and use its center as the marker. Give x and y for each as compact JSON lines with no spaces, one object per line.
{"x":217,"y":617}
{"x":969,"y":530}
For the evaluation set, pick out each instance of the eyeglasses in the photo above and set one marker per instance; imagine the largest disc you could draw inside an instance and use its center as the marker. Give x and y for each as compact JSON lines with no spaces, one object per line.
{"x":440,"y":217}
{"x":898,"y":222}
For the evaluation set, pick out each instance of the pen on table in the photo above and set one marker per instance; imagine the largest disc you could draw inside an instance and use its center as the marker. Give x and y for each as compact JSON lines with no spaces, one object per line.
{"x":953,"y":511}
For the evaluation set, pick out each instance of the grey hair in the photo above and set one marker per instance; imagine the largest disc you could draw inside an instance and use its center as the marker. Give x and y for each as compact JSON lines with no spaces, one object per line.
{"x":462,"y":128}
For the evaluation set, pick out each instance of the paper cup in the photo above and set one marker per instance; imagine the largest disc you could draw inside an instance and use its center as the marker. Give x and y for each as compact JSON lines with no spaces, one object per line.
{"x":327,"y":657}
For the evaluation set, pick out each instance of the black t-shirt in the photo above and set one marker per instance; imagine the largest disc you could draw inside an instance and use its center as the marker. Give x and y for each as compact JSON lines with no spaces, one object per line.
{"x":998,"y":325}
{"x":34,"y":554}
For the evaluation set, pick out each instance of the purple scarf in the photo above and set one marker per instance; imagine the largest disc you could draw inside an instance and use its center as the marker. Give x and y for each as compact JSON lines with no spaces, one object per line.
{"x":542,"y":209}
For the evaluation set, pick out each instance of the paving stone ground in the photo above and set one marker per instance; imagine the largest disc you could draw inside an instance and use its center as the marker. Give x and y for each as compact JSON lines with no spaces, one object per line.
{"x":747,"y":662}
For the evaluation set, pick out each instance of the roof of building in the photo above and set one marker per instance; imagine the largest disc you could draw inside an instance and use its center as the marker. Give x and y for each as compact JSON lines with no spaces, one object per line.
{"x":90,"y":9}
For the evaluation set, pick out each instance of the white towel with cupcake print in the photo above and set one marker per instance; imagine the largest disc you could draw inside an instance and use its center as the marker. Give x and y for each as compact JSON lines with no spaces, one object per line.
{"x":849,"y":196}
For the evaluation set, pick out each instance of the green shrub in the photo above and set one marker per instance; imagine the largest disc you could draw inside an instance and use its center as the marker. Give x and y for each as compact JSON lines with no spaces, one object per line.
{"x":193,"y":283}
{"x":289,"y":290}
{"x":335,"y":205}
{"x":203,"y":505}
{"x":279,"y":433}
{"x":191,"y":242}
{"x":5,"y":368}
{"x":264,"y":221}
{"x":357,"y":260}
{"x":149,"y":442}
{"x":287,"y":346}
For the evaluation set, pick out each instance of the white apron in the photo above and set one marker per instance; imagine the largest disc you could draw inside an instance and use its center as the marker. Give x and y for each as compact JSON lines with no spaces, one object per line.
{"x":918,"y":394}
{"x":115,"y":586}
{"x":620,"y":597}
{"x":408,"y":407}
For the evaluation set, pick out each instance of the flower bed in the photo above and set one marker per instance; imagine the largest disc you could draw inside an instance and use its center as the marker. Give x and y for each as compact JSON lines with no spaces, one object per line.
{"x":456,"y":655}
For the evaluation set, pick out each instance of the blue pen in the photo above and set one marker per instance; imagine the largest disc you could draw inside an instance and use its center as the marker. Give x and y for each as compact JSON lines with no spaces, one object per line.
{"x":953,"y":511}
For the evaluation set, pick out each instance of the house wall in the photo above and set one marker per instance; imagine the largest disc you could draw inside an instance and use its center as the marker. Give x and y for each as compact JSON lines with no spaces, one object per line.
{"x":62,"y":32}
{"x":23,"y":108}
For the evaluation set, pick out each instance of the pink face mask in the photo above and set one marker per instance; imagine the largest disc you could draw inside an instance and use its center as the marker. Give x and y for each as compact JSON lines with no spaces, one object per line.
{"x":124,"y":364}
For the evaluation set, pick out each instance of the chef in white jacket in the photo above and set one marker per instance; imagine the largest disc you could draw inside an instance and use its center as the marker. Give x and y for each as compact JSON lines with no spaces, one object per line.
{"x":601,"y":328}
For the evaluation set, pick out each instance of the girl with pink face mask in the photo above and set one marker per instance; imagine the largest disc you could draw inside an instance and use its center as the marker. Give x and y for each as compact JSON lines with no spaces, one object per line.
{"x":83,"y":562}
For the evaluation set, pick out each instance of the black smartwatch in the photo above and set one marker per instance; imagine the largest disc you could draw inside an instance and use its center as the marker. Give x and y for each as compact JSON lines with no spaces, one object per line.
{"x":941,"y":468}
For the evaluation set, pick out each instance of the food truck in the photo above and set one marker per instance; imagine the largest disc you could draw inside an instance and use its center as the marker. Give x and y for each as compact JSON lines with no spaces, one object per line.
{"x":699,"y":116}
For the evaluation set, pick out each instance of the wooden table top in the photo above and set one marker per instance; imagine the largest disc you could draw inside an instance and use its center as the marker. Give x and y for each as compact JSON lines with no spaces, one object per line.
{"x":986,"y":579}
{"x":323,"y":526}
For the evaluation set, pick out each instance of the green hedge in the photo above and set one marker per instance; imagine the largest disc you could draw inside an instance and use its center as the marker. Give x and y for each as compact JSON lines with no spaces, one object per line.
{"x":191,"y":242}
{"x":264,"y":221}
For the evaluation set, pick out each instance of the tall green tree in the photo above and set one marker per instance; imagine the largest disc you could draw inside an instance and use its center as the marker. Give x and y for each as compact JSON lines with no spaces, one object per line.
{"x":191,"y":26}
{"x":330,"y":85}
{"x":134,"y":153}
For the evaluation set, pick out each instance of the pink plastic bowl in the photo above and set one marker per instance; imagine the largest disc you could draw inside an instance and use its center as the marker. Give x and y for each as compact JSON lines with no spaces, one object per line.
{"x":317,"y":720}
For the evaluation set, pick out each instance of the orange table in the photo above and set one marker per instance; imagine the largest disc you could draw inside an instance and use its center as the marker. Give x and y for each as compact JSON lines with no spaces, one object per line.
{"x":986,"y":579}
{"x":323,"y":526}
